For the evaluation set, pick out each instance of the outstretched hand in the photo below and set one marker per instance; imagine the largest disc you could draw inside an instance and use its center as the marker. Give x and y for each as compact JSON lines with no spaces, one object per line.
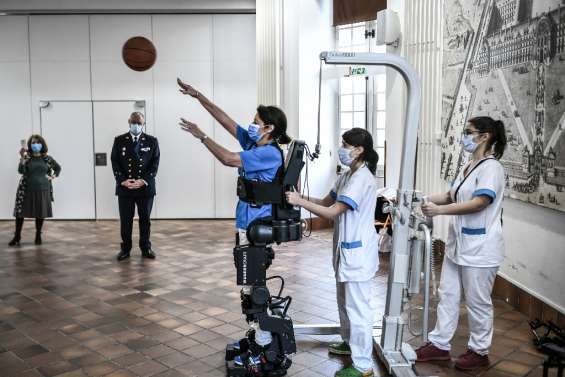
{"x":191,"y":128}
{"x":187,"y":89}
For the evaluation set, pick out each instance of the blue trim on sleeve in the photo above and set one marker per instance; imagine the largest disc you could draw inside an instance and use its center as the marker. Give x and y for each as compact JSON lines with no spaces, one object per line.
{"x":350,"y":202}
{"x":491,"y":194}
{"x":333,"y":195}
{"x":473,"y":231}
{"x":351,"y":245}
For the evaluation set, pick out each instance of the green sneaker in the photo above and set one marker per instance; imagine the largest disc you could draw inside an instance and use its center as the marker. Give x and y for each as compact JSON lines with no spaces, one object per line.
{"x":353,"y":372}
{"x":341,"y":348}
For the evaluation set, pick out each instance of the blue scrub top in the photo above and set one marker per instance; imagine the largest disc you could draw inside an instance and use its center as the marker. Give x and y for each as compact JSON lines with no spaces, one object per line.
{"x":259,"y":163}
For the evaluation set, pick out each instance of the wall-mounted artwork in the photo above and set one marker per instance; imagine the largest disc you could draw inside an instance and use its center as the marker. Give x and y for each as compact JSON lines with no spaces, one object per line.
{"x":506,"y":59}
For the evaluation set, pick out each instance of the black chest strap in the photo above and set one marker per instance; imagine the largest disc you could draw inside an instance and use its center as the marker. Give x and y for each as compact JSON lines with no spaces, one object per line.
{"x":259,"y":193}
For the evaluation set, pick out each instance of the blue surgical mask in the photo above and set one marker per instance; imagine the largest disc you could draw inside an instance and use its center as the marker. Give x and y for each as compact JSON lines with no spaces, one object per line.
{"x":135,"y":128}
{"x":36,"y":147}
{"x":253,"y":132}
{"x":345,"y":156}
{"x":468,"y":144}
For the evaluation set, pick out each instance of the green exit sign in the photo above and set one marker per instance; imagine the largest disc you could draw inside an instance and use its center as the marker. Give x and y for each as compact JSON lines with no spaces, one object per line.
{"x":357,"y":71}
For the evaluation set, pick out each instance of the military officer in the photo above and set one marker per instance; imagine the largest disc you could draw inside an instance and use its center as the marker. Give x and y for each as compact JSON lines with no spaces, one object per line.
{"x":135,"y":160}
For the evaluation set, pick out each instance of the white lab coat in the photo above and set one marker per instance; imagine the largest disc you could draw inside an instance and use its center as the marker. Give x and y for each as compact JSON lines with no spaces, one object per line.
{"x":355,"y":241}
{"x":476,"y":239}
{"x":474,"y":250}
{"x":355,"y":261}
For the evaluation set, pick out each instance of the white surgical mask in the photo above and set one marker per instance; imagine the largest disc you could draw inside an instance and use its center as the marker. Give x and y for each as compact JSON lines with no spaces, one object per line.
{"x":468,"y":144}
{"x":345,"y":156}
{"x":135,"y":128}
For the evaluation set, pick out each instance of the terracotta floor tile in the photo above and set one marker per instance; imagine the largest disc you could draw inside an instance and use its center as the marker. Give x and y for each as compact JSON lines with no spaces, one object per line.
{"x":85,"y":313}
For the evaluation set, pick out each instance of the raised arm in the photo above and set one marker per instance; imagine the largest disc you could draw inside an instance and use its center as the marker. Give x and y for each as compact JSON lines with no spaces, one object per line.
{"x":226,"y":157}
{"x":224,"y":119}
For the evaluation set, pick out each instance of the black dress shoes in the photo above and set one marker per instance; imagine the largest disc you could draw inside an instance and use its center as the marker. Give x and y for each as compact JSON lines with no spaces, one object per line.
{"x":148,"y":254}
{"x":14,"y":242}
{"x":38,"y":240}
{"x":123,"y":255}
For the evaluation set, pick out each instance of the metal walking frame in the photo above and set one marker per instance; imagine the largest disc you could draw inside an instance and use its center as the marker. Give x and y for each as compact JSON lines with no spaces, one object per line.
{"x":412,"y":233}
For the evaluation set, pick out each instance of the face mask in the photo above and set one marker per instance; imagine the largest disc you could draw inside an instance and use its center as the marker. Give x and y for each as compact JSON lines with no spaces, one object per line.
{"x":468,"y":144}
{"x":135,"y":128}
{"x":36,"y":147}
{"x":253,"y":132}
{"x":345,"y":156}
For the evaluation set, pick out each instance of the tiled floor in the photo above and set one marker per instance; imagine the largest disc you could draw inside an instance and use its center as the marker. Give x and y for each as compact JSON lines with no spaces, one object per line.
{"x":69,"y":309}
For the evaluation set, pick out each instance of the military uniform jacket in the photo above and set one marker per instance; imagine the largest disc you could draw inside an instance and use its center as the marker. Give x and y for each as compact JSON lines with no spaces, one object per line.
{"x":141,"y":162}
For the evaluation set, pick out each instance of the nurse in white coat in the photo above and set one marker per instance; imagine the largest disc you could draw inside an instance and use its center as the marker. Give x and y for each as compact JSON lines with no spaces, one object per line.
{"x":351,"y":205}
{"x":474,"y":248}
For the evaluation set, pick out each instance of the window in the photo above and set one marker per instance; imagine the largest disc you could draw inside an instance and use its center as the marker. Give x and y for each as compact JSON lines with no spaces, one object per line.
{"x":360,"y":95}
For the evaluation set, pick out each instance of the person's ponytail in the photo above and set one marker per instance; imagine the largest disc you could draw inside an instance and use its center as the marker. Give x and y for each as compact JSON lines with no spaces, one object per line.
{"x":371,"y":159}
{"x":498,"y":139}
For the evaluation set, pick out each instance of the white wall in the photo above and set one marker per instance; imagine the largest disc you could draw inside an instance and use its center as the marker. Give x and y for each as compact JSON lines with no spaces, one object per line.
{"x":15,"y":105}
{"x":307,"y":32}
{"x":78,"y":58}
{"x":535,"y":251}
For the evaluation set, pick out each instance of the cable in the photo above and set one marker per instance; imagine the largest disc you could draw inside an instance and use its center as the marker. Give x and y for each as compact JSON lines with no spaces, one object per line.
{"x":306,"y":187}
{"x":282,"y":283}
{"x":318,"y":147}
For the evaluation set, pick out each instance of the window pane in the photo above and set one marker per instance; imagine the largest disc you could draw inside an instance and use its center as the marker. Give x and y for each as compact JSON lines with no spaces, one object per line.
{"x":346,"y":85}
{"x":380,"y":170}
{"x":359,"y":102}
{"x":380,"y":48}
{"x":380,"y":142}
{"x":359,"y":119}
{"x":381,"y":152}
{"x":359,"y":84}
{"x":358,"y":36}
{"x":380,"y":83}
{"x":381,"y":119}
{"x":346,"y":120}
{"x":344,"y":37}
{"x":359,"y":48}
{"x":346,"y":103}
{"x":381,"y":101}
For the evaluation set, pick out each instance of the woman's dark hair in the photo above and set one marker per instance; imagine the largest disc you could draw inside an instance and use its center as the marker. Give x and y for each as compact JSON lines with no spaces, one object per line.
{"x":275,"y":116}
{"x":359,"y":137}
{"x":497,"y":139}
{"x":39,"y":138}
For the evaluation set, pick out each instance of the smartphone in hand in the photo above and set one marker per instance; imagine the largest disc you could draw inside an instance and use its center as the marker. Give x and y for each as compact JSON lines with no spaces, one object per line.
{"x":23,"y":144}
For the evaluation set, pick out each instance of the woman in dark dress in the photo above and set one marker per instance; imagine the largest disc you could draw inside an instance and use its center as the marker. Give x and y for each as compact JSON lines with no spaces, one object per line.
{"x":35,"y":192}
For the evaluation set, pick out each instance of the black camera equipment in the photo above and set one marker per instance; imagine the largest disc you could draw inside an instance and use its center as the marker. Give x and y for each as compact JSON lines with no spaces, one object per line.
{"x":246,"y":358}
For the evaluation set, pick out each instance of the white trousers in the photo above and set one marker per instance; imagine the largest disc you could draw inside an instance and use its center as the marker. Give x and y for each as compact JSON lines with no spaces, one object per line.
{"x":356,"y":321}
{"x":475,"y":284}
{"x":262,"y":338}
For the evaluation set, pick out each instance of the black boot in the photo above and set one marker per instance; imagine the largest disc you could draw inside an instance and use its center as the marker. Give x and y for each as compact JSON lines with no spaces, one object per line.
{"x":18,"y":233}
{"x":38,"y":226}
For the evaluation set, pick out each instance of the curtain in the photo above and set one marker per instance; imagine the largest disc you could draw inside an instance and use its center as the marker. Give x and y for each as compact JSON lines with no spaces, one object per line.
{"x":351,"y":11}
